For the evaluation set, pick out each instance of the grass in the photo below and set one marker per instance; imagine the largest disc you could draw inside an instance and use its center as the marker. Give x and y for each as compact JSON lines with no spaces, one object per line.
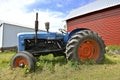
{"x":111,"y":47}
{"x":5,"y":58}
{"x":56,"y":68}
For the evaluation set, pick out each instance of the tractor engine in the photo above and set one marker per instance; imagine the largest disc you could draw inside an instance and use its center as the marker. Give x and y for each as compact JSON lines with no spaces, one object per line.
{"x":43,"y":45}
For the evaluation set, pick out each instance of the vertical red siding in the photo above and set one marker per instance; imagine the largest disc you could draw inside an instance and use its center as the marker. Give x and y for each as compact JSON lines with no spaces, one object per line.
{"x":106,"y":23}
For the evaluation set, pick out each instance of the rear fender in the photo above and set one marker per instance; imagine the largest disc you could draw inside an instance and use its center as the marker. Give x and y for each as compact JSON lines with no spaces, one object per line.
{"x":68,"y":35}
{"x":75,"y":31}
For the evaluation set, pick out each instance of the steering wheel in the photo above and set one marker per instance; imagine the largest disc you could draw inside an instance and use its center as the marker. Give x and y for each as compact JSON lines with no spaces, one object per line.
{"x":63,"y":31}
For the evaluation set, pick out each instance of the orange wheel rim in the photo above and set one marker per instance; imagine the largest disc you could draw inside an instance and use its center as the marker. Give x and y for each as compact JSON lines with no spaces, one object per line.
{"x":20,"y":61}
{"x":89,"y":49}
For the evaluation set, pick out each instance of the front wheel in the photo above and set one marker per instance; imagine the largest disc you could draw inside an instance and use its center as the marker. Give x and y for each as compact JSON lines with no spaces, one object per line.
{"x":22,"y":61}
{"x":85,"y":45}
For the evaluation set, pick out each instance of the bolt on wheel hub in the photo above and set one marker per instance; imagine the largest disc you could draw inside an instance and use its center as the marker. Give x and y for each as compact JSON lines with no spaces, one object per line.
{"x":22,"y":65}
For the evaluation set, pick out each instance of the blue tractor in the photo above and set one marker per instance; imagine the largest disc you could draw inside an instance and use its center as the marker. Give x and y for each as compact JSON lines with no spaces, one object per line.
{"x":78,"y":45}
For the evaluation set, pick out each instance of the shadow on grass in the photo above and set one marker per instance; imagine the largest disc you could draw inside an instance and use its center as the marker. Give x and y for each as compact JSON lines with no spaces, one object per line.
{"x":107,"y":61}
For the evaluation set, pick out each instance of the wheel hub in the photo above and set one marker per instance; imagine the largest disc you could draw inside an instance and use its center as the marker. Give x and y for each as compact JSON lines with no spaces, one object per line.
{"x":20,"y":62}
{"x":88,"y":49}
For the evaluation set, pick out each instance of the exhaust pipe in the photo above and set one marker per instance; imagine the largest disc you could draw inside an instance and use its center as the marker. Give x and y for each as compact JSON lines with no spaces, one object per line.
{"x":36,"y":28}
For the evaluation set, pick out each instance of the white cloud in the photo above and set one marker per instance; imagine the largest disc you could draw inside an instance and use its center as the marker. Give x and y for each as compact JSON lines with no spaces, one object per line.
{"x":15,"y":11}
{"x":59,"y":5}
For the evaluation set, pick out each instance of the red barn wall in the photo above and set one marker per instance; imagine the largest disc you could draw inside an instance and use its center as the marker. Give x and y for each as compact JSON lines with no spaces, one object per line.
{"x":105,"y":22}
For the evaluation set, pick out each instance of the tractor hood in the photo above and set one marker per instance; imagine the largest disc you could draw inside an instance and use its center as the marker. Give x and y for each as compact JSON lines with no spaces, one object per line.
{"x":41,"y":35}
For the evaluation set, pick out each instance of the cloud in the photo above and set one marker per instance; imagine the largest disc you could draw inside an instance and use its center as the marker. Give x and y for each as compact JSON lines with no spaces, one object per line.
{"x":15,"y":11}
{"x":59,"y":5}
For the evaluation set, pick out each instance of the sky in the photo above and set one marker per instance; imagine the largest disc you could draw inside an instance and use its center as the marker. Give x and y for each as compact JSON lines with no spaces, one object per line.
{"x":22,"y":12}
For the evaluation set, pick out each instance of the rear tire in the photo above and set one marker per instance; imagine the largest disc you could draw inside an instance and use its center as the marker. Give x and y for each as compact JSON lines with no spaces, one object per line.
{"x":84,"y":45}
{"x":22,"y":60}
